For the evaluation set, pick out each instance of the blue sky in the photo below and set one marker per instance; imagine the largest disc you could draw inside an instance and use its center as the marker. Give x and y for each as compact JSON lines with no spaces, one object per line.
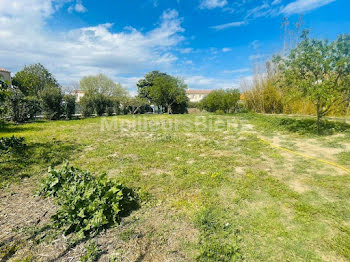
{"x":210,"y":43}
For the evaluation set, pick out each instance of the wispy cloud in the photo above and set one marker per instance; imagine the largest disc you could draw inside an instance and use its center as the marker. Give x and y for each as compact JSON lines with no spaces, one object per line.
{"x":236,"y":71}
{"x":255,"y":44}
{"x":187,"y":50}
{"x":226,"y":49}
{"x":264,"y":10}
{"x":211,"y":4}
{"x":258,"y":57}
{"x":301,"y":6}
{"x":229,"y":25}
{"x":276,"y":2}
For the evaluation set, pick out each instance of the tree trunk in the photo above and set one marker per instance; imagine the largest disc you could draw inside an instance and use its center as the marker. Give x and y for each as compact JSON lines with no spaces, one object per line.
{"x":169,"y":108}
{"x":318,"y":123}
{"x":318,"y":118}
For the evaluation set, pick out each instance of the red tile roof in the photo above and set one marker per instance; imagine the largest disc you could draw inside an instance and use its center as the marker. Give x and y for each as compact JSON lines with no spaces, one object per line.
{"x":4,"y":70}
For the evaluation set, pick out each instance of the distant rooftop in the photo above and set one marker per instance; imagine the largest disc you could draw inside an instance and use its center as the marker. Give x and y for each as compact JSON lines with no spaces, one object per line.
{"x":193,"y":91}
{"x":4,"y":70}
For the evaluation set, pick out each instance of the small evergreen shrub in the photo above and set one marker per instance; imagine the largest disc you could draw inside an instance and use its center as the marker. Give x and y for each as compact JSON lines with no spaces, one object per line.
{"x":88,"y":204}
{"x":69,"y":106}
{"x":87,"y":105}
{"x":52,"y":102}
{"x":100,"y":104}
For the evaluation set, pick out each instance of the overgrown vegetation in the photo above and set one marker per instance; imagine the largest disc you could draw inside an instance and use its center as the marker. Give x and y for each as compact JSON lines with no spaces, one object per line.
{"x":312,"y":78}
{"x":88,"y":204}
{"x":221,"y":100}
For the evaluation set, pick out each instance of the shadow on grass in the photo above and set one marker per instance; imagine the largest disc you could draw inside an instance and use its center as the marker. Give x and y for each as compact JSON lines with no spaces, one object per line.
{"x":309,"y":126}
{"x":18,"y":128}
{"x":16,"y":166}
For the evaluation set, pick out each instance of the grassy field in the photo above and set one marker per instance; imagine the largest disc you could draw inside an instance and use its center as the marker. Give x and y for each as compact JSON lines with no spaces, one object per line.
{"x":211,"y":188}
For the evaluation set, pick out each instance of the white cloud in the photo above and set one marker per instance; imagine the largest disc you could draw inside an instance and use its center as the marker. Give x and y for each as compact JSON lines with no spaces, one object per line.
{"x":226,"y":49}
{"x":202,"y":82}
{"x":88,"y":50}
{"x":187,"y":50}
{"x":228,"y":25}
{"x":301,"y":6}
{"x":211,"y":4}
{"x":77,"y":7}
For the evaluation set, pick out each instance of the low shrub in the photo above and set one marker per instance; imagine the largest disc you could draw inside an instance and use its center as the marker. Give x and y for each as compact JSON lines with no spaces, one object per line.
{"x":88,"y":204}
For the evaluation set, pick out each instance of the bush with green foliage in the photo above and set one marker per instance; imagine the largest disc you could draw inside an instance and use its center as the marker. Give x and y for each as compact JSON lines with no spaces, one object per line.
{"x":92,"y":252}
{"x":52,"y":98}
{"x":69,"y":106}
{"x":21,"y":108}
{"x":95,"y":104}
{"x":100,"y":103}
{"x":88,"y":204}
{"x":223,"y":100}
{"x":33,"y":79}
{"x":193,"y":104}
{"x":3,"y":93}
{"x":109,"y":106}
{"x":14,"y":145}
{"x":87,"y":105}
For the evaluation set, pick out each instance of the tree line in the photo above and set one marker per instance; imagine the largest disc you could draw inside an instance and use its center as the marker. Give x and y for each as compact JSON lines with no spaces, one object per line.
{"x":36,"y":91}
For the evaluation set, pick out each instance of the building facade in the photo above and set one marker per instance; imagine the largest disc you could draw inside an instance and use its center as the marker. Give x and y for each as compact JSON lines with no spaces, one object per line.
{"x":5,"y":75}
{"x":79,"y":94}
{"x":197,"y":95}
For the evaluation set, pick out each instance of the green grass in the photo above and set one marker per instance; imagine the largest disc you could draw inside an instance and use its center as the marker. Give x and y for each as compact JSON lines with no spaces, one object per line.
{"x":244,"y":199}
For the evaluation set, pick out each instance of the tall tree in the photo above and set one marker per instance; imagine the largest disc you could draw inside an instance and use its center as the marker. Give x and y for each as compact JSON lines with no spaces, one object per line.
{"x":33,"y":79}
{"x":318,"y":70}
{"x":144,"y":86}
{"x":101,"y":84}
{"x":163,"y":90}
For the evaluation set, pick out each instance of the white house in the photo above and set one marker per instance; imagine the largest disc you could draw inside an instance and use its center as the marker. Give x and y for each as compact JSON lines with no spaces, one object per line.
{"x":78,"y":95}
{"x":197,"y":95}
{"x":5,"y":75}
